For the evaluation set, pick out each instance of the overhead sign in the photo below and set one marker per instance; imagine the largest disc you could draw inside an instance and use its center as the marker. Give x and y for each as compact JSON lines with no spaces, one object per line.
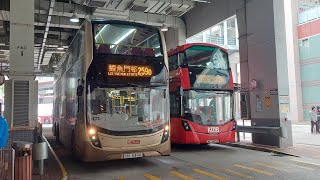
{"x":129,"y":70}
{"x":210,"y":79}
{"x":274,"y":92}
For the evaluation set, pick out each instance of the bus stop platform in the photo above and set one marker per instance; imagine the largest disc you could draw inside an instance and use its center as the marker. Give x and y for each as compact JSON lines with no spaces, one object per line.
{"x":298,"y":150}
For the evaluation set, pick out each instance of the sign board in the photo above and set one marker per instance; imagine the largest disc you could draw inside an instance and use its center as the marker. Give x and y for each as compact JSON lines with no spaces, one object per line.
{"x":129,"y":70}
{"x":273,"y":91}
{"x":284,"y":99}
{"x":258,"y":106}
{"x":284,"y":108}
{"x":267,"y":102}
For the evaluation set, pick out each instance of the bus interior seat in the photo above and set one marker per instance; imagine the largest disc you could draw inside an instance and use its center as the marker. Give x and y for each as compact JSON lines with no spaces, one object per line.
{"x":105,"y":49}
{"x":149,"y":52}
{"x":136,"y":51}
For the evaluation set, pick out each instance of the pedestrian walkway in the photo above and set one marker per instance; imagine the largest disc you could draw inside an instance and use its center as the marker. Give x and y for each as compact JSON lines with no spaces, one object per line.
{"x":305,"y":143}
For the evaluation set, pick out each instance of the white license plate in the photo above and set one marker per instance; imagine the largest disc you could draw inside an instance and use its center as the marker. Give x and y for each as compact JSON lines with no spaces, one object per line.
{"x":212,"y":141}
{"x":132,"y":155}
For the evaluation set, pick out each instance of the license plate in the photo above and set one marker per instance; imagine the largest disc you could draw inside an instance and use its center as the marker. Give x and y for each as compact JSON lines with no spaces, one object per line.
{"x":132,"y":155}
{"x":213,"y":141}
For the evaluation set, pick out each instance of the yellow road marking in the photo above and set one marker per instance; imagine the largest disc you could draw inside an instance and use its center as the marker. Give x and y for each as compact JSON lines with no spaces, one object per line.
{"x":254,"y":170}
{"x":122,"y":178}
{"x":271,"y":167}
{"x":235,"y":173}
{"x":151,"y":177}
{"x":316,"y":164}
{"x":182,"y":176}
{"x":62,"y":168}
{"x":209,"y":174}
{"x":297,"y":166}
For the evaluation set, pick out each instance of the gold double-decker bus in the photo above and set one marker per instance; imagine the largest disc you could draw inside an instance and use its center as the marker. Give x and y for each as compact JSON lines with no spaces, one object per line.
{"x":111,"y":98}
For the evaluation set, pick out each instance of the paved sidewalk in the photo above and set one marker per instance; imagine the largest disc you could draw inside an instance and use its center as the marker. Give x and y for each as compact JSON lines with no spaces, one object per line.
{"x":52,"y":169}
{"x":306,"y":144}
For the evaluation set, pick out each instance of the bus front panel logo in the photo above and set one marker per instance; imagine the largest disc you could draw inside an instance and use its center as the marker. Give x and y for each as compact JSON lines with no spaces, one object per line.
{"x":135,"y":141}
{"x":213,"y":129}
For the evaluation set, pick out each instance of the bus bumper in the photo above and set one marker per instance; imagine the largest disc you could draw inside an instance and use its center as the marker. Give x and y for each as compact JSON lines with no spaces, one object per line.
{"x":191,"y":137}
{"x":93,"y":154}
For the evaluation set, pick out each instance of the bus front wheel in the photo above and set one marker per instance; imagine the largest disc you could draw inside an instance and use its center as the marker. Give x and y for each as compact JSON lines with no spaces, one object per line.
{"x":73,"y":146}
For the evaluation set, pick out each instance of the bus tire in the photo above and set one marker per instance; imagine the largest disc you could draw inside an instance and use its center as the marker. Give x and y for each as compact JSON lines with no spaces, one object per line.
{"x":57,"y":133}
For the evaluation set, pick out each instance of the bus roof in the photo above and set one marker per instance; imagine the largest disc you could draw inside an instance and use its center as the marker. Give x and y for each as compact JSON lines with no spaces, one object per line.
{"x":188,"y":45}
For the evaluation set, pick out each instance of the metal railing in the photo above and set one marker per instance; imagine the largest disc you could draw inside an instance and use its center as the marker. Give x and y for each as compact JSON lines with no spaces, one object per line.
{"x":7,"y":164}
{"x":309,"y":15}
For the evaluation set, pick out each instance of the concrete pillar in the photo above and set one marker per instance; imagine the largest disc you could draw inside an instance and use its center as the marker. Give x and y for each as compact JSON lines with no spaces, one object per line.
{"x":225,"y":32}
{"x":237,"y":33}
{"x":264,"y":60}
{"x":295,"y":89}
{"x":21,"y":90}
{"x":176,"y":36}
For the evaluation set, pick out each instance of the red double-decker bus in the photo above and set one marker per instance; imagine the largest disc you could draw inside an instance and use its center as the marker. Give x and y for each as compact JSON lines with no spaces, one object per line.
{"x":201,"y":95}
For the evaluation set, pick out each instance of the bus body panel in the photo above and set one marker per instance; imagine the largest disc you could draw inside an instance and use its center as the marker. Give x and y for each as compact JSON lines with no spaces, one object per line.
{"x":92,"y":154}
{"x":200,"y":134}
{"x":72,"y":131}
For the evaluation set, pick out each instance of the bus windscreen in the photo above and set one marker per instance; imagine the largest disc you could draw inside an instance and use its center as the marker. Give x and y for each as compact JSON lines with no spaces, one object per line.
{"x":207,"y":57}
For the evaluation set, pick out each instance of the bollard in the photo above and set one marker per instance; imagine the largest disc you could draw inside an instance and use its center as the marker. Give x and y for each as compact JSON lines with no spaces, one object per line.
{"x":40,"y":153}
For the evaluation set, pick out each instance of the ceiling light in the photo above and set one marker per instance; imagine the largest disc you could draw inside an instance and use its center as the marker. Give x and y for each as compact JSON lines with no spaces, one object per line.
{"x":60,"y":47}
{"x":123,"y":37}
{"x":74,"y":18}
{"x":201,"y":1}
{"x":164,"y":28}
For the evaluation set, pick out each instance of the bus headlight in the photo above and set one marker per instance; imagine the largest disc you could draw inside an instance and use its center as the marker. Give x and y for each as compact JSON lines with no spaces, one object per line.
{"x":234,"y":127}
{"x":166,"y":128}
{"x":166,"y":133}
{"x":94,"y":137}
{"x":92,"y":131}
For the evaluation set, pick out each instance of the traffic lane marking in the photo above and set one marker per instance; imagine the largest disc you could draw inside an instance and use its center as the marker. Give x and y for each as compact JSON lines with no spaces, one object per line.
{"x":254,"y":170}
{"x":294,"y":165}
{"x":271,"y":167}
{"x":122,"y":178}
{"x":180,"y":175}
{"x":209,"y":174}
{"x":235,"y":173}
{"x":151,"y":177}
{"x":305,"y":162}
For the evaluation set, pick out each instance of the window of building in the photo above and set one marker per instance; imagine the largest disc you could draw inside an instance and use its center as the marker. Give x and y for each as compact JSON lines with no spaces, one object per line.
{"x":305,"y":43}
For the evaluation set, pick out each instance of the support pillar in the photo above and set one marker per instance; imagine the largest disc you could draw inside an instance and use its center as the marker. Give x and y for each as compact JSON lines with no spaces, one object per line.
{"x":264,"y":67}
{"x":21,"y":91}
{"x":225,"y":32}
{"x":176,"y":35}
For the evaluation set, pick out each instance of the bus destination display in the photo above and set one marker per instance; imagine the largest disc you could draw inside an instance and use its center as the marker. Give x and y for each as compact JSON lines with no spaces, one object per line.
{"x":210,"y":79}
{"x":129,"y":70}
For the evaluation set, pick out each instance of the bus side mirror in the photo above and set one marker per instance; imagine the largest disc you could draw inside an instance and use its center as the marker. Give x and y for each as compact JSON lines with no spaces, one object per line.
{"x":79,"y":90}
{"x":179,"y":91}
{"x":237,"y":87}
